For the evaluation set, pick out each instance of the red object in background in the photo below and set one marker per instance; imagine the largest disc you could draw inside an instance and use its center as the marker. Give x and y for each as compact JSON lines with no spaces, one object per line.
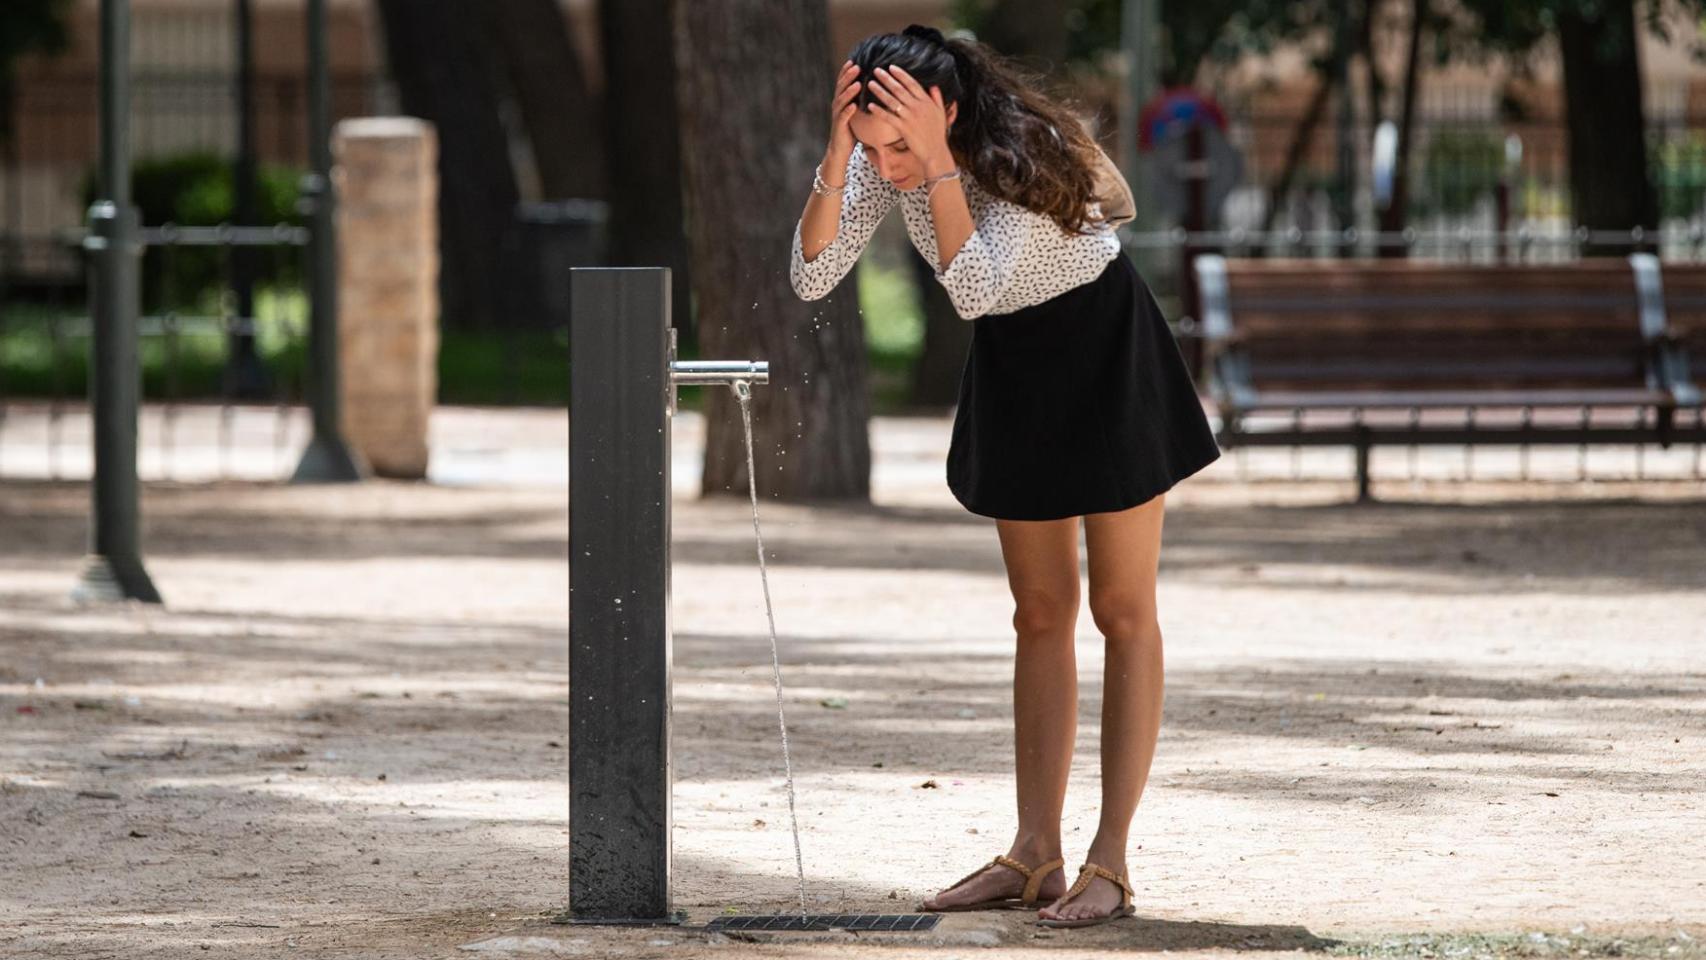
{"x":1180,"y":106}
{"x":26,"y":709}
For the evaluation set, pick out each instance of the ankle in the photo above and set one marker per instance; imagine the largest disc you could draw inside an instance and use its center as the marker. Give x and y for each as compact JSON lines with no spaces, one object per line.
{"x":1031,"y":849}
{"x":1108,"y":854}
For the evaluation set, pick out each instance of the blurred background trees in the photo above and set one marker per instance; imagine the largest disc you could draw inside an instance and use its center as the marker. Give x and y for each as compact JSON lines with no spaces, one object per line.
{"x":608,"y":131}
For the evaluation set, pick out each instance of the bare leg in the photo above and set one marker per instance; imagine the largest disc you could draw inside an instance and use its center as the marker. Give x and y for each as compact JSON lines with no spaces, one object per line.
{"x":1042,"y":572}
{"x":1124,"y":549}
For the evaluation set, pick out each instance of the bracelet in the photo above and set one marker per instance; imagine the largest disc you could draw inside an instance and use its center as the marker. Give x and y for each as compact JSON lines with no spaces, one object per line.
{"x":820,"y":186}
{"x":930,"y":182}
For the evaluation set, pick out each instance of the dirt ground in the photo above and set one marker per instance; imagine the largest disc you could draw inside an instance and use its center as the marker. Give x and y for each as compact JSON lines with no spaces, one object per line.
{"x":1468,"y":720}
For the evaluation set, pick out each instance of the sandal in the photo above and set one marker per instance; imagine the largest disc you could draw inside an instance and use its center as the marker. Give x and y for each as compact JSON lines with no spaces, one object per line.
{"x":1027,"y":900}
{"x":1086,"y":874}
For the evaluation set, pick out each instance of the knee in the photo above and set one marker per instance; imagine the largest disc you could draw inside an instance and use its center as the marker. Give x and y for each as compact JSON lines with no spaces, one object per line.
{"x":1045,"y":613}
{"x":1124,"y":617}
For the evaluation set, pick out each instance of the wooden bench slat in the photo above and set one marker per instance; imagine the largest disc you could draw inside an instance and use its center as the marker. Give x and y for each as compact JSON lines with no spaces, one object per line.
{"x":1383,"y":398}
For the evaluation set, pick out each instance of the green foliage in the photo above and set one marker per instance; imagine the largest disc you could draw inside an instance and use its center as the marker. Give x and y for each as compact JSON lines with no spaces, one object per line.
{"x":1518,"y":29}
{"x":888,"y":298}
{"x":1459,"y":167}
{"x":44,"y":352}
{"x":525,"y":367}
{"x":1203,"y":31}
{"x":894,"y":329}
{"x":198,"y":188}
{"x":1679,"y":174}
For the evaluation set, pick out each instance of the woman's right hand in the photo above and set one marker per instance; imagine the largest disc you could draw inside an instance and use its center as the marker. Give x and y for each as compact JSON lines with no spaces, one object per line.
{"x":840,"y":131}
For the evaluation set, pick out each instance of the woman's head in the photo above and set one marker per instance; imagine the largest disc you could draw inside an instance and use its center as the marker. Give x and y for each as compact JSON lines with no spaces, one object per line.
{"x":1015,"y":141}
{"x":923,"y":54}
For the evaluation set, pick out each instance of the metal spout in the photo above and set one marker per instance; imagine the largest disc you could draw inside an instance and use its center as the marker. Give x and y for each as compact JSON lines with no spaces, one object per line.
{"x":719,"y":371}
{"x":738,"y":375}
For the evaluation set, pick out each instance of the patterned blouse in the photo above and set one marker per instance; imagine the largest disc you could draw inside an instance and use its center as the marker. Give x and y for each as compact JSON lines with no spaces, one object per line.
{"x":1013,"y":258}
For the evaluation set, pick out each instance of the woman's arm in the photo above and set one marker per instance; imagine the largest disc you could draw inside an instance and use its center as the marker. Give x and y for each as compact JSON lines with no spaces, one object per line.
{"x":821,"y":220}
{"x":948,"y":212}
{"x":978,"y":274}
{"x":835,"y":229}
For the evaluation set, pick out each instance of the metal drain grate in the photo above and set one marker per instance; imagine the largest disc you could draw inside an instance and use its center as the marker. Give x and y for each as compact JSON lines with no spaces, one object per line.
{"x":897,"y":922}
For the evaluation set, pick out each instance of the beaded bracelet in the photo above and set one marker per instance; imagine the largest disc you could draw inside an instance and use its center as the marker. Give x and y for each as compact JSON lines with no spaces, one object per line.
{"x":821,"y":186}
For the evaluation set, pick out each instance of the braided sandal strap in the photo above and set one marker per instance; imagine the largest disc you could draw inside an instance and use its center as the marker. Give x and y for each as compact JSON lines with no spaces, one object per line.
{"x":1034,"y":876}
{"x":1091,"y":871}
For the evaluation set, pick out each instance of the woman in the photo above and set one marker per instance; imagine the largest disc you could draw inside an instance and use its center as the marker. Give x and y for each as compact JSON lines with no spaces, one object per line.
{"x":1074,"y":402}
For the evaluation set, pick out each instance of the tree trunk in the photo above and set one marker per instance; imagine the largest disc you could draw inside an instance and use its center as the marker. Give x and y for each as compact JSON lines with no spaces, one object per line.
{"x":754,"y":88}
{"x":1609,"y":184}
{"x":1393,"y":217}
{"x":1374,"y":83}
{"x":444,"y":74}
{"x":1302,"y":136}
{"x":550,"y":87}
{"x":642,"y":133}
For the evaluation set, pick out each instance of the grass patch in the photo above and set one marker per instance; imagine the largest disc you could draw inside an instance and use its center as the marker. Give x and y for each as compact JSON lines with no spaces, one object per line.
{"x":44,"y":351}
{"x":894,"y":332}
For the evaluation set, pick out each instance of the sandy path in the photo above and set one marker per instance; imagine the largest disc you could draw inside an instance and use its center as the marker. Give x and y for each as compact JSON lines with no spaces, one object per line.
{"x":344,"y":735}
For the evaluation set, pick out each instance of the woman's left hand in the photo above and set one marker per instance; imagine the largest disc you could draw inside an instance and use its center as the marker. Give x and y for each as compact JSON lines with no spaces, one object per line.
{"x":921,"y":117}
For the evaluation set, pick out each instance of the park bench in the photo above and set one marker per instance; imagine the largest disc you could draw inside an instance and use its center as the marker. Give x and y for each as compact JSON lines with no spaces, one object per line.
{"x":1365,"y":352}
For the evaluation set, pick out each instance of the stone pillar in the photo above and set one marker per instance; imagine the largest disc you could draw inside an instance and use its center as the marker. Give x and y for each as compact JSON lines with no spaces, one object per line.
{"x":386,"y":174}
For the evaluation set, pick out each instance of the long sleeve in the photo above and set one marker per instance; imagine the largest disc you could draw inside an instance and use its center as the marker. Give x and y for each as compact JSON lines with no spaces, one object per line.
{"x":864,"y":203}
{"x":985,"y":263}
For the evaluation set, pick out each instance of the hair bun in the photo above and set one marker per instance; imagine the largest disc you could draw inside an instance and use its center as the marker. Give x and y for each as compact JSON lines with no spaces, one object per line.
{"x":926,"y":33}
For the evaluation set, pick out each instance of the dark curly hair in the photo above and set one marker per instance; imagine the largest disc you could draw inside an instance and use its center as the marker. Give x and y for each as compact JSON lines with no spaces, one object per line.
{"x":1019,"y":144}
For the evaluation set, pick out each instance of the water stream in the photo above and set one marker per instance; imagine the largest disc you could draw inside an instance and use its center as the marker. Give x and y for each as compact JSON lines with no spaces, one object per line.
{"x":743,"y":391}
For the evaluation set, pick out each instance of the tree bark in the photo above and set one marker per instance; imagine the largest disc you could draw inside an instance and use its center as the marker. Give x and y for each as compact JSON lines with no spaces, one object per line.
{"x":642,"y":132}
{"x":550,"y":88}
{"x":754,"y":88}
{"x":1609,"y":184}
{"x":1393,"y":217}
{"x":443,"y":72}
{"x":1374,"y":83}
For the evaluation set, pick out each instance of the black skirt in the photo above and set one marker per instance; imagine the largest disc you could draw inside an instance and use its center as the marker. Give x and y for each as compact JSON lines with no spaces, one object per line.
{"x":1079,"y":404}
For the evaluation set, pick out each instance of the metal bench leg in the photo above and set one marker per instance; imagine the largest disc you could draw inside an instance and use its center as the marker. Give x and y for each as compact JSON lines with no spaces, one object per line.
{"x":1363,"y":494}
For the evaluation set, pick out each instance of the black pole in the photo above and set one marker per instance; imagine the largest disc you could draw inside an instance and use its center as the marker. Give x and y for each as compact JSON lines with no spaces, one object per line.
{"x":244,"y":375}
{"x":113,"y":569}
{"x":327,"y":458}
{"x":619,"y":634}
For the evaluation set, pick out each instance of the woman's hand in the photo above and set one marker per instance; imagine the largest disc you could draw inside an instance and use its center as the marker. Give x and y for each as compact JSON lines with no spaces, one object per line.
{"x":840,"y":130}
{"x":921,"y":117}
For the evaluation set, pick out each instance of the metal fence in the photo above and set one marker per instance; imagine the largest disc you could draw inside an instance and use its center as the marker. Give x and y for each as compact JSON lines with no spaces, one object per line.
{"x":210,"y":368}
{"x":224,"y":308}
